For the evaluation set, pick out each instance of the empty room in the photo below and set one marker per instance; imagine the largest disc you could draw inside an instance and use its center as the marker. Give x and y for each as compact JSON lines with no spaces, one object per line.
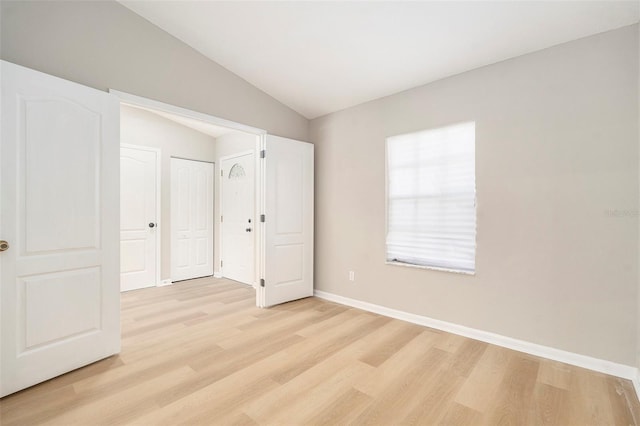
{"x":319,"y":212}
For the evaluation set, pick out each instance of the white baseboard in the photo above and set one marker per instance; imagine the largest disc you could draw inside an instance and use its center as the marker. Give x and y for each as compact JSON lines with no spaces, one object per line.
{"x":600,"y":365}
{"x":636,"y":384}
{"x":164,"y":283}
{"x":217,"y":275}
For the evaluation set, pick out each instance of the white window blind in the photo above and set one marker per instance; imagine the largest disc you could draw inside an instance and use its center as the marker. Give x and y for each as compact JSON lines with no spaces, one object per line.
{"x":431,"y":191}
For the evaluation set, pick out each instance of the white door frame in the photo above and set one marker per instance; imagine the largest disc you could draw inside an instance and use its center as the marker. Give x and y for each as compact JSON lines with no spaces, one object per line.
{"x":139,"y":101}
{"x":158,"y":152}
{"x":256,"y":208}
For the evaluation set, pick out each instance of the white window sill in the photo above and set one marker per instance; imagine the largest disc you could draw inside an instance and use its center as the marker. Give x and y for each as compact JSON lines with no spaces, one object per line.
{"x":433,"y":268}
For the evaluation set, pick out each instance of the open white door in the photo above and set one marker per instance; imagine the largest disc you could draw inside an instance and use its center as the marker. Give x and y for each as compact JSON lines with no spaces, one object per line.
{"x":287,"y":232}
{"x":59,"y":288}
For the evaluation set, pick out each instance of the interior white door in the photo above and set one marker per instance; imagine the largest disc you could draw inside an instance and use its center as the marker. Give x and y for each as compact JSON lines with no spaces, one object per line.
{"x":287,"y":193}
{"x":59,"y":289}
{"x":237,"y":216}
{"x":191,"y":219}
{"x":139,"y":233}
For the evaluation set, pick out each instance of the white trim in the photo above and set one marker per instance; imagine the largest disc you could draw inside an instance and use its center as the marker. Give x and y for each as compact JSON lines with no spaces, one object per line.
{"x":600,"y":365}
{"x":158,"y":153}
{"x":127,"y":98}
{"x":217,"y":275}
{"x":164,"y":283}
{"x":257,"y":248}
{"x":636,"y":383}
{"x":261,"y":144}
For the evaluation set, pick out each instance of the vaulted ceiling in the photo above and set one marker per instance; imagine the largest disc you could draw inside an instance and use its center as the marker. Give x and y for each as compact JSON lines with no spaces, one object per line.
{"x":318,"y":57}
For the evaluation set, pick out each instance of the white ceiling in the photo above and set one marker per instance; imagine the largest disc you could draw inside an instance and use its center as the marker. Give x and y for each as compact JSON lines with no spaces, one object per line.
{"x":319,"y":57}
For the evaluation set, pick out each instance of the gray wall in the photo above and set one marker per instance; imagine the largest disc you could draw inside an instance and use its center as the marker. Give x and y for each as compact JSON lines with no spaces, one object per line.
{"x":556,"y":150}
{"x":139,"y":127}
{"x":104,"y":45}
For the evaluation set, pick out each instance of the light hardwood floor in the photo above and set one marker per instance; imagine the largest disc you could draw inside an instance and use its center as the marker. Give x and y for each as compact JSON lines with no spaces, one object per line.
{"x":200,"y":352}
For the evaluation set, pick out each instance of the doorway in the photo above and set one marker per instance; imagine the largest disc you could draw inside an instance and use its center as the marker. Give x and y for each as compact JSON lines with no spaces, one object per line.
{"x":61,"y":223}
{"x":283,"y":201}
{"x":237,"y":218}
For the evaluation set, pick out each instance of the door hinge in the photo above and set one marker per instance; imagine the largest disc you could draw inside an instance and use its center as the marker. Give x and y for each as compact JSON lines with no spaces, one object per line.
{"x":221,"y":218}
{"x":262,"y":218}
{"x":261,"y":282}
{"x":221,"y":172}
{"x":263,"y":153}
{"x":221,"y":263}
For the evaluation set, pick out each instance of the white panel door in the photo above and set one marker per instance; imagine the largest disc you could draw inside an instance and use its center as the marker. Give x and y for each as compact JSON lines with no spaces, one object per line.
{"x":59,"y":212}
{"x":139,"y":233}
{"x":238,"y":221}
{"x":287,"y":265}
{"x":191,"y":219}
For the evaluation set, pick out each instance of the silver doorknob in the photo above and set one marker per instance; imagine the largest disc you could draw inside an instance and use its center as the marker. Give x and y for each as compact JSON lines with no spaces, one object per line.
{"x":4,"y":245}
{"x":151,"y":225}
{"x":248,"y":230}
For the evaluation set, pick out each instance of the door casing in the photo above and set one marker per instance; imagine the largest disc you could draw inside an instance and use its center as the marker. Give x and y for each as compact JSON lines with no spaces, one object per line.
{"x":261,"y":142}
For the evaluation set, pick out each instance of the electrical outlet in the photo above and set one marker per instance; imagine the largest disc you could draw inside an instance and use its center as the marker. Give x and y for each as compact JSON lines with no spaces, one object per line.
{"x":352,"y":276}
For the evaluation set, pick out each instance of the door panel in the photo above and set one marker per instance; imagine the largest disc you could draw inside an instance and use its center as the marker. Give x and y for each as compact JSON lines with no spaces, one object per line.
{"x":139,"y":177}
{"x":191,"y":219}
{"x":238,"y":210}
{"x":59,"y":211}
{"x":46,"y":118}
{"x":288,"y":229}
{"x":45,"y":296}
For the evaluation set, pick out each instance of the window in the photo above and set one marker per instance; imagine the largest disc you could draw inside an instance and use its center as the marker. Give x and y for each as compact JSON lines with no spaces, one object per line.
{"x":431,"y":194}
{"x":236,"y":172}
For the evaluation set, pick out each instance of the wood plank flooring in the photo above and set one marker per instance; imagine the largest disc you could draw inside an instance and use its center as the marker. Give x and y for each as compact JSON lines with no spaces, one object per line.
{"x":200,"y":353}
